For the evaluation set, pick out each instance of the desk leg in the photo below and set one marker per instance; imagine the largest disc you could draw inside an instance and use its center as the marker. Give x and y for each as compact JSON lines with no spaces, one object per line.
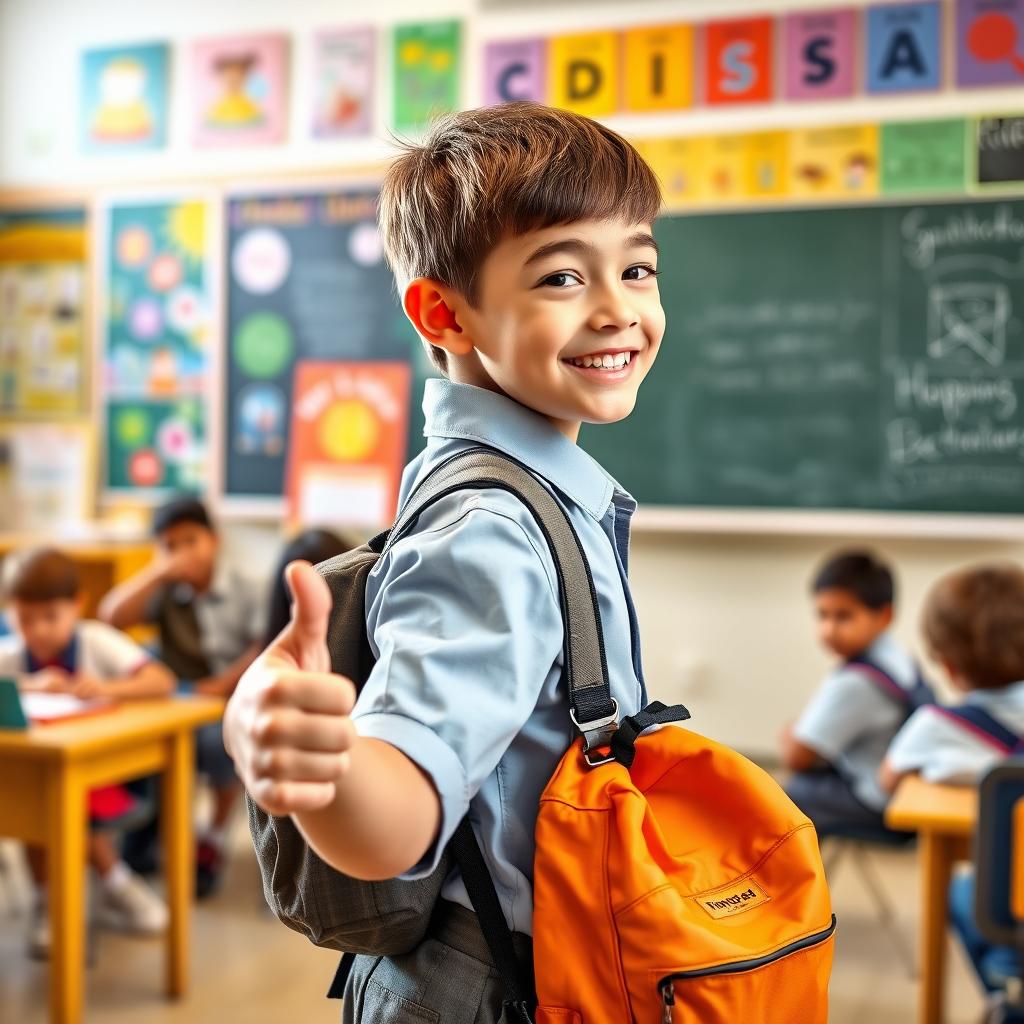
{"x":179,"y":856}
{"x":936,"y":871}
{"x":66,"y":827}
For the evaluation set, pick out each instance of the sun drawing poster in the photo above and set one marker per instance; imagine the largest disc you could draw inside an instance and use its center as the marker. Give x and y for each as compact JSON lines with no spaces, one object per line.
{"x":348,"y":442}
{"x":157,"y":329}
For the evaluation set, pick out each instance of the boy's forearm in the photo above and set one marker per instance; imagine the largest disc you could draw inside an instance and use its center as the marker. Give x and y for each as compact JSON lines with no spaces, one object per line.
{"x":126,"y":605}
{"x":384,"y":817}
{"x":151,"y":680}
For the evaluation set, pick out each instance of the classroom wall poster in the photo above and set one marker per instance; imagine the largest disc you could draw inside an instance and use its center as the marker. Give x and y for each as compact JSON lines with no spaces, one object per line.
{"x":157,"y":326}
{"x":904,"y":47}
{"x":515,"y":70}
{"x":998,"y":152}
{"x":924,"y":156}
{"x":768,"y":165}
{"x":584,"y":73}
{"x":124,"y":98}
{"x":659,"y":67}
{"x":239,"y":90}
{"x":680,"y":164}
{"x":348,"y":443}
{"x":427,"y":72}
{"x":42,"y":320}
{"x":833,"y":163}
{"x":989,"y":42}
{"x":307,"y":284}
{"x":739,"y":64}
{"x":343,"y":79}
{"x":820,"y":54}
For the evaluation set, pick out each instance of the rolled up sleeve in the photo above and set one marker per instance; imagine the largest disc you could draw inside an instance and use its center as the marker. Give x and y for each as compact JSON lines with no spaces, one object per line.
{"x":465,"y":622}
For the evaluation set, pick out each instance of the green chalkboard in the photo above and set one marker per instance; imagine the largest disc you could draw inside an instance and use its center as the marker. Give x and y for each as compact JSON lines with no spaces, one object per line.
{"x":856,"y":358}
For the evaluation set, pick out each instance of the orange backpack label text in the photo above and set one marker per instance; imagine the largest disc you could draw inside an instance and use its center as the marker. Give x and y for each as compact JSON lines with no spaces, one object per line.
{"x":735,"y":900}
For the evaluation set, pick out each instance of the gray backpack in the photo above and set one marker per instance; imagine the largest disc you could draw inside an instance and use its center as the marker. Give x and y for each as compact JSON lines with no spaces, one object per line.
{"x":392,"y":917}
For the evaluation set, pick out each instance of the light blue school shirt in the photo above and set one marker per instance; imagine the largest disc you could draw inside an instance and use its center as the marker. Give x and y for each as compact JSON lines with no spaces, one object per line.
{"x":463,"y":616}
{"x":851,"y":721}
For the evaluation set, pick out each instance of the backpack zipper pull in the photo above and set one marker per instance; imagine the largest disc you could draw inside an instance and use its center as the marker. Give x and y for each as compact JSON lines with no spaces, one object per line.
{"x":668,"y":994}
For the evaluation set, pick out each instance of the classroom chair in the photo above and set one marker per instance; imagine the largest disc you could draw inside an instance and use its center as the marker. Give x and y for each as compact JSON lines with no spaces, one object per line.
{"x":999,"y":890}
{"x":855,"y":842}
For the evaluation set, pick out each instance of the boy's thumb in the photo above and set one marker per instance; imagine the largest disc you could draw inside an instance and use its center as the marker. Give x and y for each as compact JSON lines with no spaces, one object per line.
{"x":311,"y":603}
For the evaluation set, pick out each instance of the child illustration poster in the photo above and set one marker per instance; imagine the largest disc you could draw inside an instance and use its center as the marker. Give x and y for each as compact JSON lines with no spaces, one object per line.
{"x":124,"y":98}
{"x":343,"y":69}
{"x":834,"y":162}
{"x":240,"y":90}
{"x":989,"y":42}
{"x":427,"y":70}
{"x":681,"y":164}
{"x":157,"y":325}
{"x":348,"y":435}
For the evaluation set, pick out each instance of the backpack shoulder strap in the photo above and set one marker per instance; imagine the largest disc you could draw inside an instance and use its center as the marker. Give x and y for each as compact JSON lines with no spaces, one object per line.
{"x":593,"y":709}
{"x":910,"y":700}
{"x":983,"y":725}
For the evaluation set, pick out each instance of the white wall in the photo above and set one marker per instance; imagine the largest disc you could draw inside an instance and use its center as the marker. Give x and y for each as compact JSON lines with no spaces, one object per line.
{"x":726,"y":619}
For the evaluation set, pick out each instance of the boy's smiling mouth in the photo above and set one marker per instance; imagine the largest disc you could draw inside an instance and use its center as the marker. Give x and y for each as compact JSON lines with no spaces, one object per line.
{"x":613,"y":364}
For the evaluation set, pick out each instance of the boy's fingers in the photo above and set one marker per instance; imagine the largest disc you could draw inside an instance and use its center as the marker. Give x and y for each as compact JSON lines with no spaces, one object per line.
{"x":285,"y":765}
{"x":288,"y":728}
{"x":280,"y":798}
{"x":322,"y":693}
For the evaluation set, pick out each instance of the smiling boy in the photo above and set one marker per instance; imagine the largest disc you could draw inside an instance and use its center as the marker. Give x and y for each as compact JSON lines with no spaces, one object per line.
{"x":521,"y":239}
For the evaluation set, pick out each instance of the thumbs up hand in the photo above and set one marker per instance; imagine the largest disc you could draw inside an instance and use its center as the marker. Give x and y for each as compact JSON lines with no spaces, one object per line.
{"x":286,"y":726}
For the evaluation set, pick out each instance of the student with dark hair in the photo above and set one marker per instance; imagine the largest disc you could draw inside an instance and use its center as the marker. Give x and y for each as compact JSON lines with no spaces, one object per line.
{"x":838,"y":742}
{"x":210,"y":620}
{"x":313,"y":546}
{"x":54,"y":650}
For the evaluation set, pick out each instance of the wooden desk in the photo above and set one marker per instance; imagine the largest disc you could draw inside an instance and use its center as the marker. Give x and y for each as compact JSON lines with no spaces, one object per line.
{"x":45,"y":775}
{"x":944,"y":818}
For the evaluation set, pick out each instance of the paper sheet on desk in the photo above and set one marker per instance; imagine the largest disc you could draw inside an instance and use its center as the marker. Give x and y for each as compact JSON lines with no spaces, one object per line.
{"x":53,"y":707}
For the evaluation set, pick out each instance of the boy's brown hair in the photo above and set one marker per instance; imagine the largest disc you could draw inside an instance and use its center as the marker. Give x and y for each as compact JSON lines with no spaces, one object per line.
{"x":41,"y":575}
{"x":483,"y":175}
{"x":974,"y":621}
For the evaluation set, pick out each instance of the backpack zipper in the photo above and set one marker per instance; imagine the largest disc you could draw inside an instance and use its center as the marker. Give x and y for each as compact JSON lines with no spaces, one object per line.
{"x":668,"y":983}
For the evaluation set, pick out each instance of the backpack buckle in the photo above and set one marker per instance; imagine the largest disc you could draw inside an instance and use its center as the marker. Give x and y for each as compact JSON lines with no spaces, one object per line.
{"x":596,"y":734}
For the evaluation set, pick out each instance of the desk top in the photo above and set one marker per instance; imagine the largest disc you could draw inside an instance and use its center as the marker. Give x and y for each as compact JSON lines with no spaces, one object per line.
{"x":123,"y":725}
{"x":919,"y":806}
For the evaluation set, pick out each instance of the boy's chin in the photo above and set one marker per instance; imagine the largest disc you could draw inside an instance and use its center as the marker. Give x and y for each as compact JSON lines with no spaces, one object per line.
{"x":613,"y":410}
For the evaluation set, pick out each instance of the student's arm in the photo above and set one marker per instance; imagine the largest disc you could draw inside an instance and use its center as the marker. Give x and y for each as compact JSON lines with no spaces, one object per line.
{"x":127,"y":605}
{"x":47,"y":680}
{"x":150,"y":679}
{"x":124,"y":670}
{"x":362,"y":804}
{"x":797,"y":756}
{"x":223,"y":683}
{"x":889,"y":778}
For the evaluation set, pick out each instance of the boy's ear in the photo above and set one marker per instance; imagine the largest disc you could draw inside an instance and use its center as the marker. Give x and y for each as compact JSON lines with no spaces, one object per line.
{"x":431,"y":308}
{"x":887,"y":616}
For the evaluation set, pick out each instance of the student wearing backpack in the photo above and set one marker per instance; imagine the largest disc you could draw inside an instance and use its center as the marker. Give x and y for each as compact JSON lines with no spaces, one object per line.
{"x":973,"y":624}
{"x":521,"y":239}
{"x":837,"y":744}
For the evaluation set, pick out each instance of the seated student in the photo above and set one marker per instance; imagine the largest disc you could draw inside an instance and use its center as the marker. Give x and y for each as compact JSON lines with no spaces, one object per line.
{"x":837,"y":744}
{"x":210,"y":619}
{"x":53,"y":649}
{"x":974,"y":624}
{"x":313,"y":546}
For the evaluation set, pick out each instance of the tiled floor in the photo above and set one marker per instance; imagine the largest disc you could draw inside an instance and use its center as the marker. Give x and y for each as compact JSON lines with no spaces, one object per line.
{"x":248,"y":968}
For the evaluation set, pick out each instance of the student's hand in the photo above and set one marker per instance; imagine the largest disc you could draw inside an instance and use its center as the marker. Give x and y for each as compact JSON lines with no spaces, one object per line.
{"x":86,"y":686}
{"x":47,"y":680}
{"x":173,"y":568}
{"x":210,"y":686}
{"x":287,"y":727}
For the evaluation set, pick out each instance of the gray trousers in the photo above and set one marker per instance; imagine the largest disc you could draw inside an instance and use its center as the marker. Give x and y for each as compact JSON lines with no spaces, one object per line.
{"x":448,"y":979}
{"x":826,"y":798}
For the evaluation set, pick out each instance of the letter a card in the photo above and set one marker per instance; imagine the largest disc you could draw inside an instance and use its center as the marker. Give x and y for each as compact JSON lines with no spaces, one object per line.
{"x":584,"y":73}
{"x":904,"y":52}
{"x":821,"y":57}
{"x":738,"y":64}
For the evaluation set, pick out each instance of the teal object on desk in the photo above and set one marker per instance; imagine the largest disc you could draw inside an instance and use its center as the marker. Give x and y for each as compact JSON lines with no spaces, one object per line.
{"x":12,"y":714}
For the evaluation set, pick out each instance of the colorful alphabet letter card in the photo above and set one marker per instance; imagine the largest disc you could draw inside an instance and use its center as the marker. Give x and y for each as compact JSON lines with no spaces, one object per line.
{"x":514,"y":70}
{"x":584,"y":73}
{"x":821,"y":54}
{"x":240,"y":90}
{"x":738,"y":61}
{"x":904,"y":47}
{"x":989,"y":42}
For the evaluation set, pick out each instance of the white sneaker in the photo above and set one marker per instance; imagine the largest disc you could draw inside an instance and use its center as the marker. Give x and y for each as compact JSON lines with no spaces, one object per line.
{"x":38,"y":945}
{"x":131,"y":906}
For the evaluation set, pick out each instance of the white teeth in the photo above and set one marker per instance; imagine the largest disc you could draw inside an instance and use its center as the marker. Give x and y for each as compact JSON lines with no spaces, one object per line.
{"x":605,"y":362}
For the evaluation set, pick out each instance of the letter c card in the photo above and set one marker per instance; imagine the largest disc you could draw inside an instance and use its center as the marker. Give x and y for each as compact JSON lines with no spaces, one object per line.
{"x":514,"y":70}
{"x":739,"y":65}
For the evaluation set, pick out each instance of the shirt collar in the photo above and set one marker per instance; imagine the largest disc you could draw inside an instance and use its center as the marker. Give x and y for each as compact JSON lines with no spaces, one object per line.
{"x":67,"y":659}
{"x":476,"y":414}
{"x":219,"y":588}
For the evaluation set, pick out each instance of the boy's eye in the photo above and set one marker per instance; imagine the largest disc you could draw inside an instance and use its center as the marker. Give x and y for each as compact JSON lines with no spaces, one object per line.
{"x":638,"y":272}
{"x":560,"y":280}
